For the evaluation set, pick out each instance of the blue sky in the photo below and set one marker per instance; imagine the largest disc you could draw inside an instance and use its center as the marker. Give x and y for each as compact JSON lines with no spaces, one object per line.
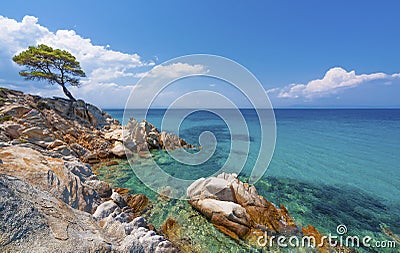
{"x":303,"y":52}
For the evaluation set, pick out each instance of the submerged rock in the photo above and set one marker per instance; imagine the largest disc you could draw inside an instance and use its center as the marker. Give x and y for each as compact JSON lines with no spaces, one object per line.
{"x":176,"y":235}
{"x":137,"y":202}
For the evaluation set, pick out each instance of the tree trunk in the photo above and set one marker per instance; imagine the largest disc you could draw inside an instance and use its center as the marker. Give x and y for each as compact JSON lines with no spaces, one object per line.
{"x":67,"y":93}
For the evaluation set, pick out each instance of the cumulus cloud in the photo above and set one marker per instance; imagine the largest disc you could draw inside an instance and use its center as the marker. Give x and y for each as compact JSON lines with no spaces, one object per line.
{"x":111,"y":75}
{"x":17,"y":36}
{"x":104,"y":67}
{"x":14,"y":35}
{"x":335,"y":79}
{"x":174,"y":70}
{"x":155,"y":82}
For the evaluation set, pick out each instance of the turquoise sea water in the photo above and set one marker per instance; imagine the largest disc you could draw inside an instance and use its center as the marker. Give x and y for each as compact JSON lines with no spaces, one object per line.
{"x":330,"y":167}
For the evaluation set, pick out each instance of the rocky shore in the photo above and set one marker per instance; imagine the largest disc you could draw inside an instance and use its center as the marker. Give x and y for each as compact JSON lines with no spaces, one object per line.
{"x":76,"y":128}
{"x":237,"y":210}
{"x":50,"y":201}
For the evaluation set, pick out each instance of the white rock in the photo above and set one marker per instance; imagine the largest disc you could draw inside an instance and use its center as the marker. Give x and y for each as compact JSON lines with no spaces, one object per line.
{"x":118,"y":149}
{"x":118,"y":199}
{"x":226,"y":207}
{"x":116,"y":135}
{"x":213,"y":187}
{"x":105,"y":209}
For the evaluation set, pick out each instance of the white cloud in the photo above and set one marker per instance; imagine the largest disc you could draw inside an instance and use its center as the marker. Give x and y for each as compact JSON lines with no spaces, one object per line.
{"x":17,"y":36}
{"x":103,"y":66}
{"x":158,"y":79}
{"x":174,"y":70}
{"x":110,"y":74}
{"x":334,"y":80}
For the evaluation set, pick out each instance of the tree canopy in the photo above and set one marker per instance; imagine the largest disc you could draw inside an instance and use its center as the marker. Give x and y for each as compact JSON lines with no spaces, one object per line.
{"x":53,"y":65}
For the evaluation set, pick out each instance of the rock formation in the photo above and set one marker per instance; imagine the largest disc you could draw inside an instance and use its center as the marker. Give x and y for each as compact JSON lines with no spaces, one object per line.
{"x":32,"y":220}
{"x":50,"y":201}
{"x":236,"y":208}
{"x":76,"y":128}
{"x":65,"y":177}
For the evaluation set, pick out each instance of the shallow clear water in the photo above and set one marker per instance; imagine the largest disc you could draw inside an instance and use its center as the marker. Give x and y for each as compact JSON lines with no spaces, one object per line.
{"x":330,"y":167}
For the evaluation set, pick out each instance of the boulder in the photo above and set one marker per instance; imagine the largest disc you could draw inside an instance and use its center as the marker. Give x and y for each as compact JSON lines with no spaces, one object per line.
{"x":118,"y":199}
{"x":231,"y":218}
{"x":64,"y":179}
{"x":236,"y":209}
{"x":118,"y":149}
{"x":11,"y":129}
{"x":105,"y":209}
{"x":216,"y":188}
{"x":137,"y":202}
{"x":102,"y":188}
{"x":39,"y":222}
{"x":114,"y":135}
{"x":144,"y":136}
{"x":55,"y":144}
